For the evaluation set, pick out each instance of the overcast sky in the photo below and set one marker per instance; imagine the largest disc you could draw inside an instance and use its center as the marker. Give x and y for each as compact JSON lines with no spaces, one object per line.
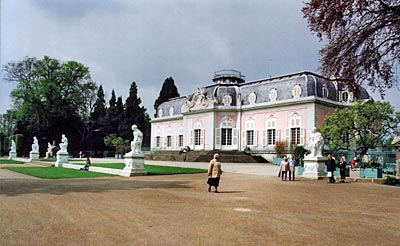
{"x":147,"y":41}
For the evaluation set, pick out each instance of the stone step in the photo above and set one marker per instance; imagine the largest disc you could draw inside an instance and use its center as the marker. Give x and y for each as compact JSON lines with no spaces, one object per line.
{"x":204,"y":156}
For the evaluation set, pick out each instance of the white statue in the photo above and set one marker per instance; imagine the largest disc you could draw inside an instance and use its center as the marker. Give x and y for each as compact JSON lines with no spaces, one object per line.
{"x":64,"y":143}
{"x":49,"y":148}
{"x":316,"y":143}
{"x":13,"y":146}
{"x":136,"y":144}
{"x":35,"y":145}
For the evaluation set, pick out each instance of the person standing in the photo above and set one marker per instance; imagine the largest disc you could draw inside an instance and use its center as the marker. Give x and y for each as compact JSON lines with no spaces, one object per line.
{"x":292,"y":163}
{"x":330,"y":168}
{"x":284,"y":168}
{"x":342,"y":168}
{"x":214,"y":173}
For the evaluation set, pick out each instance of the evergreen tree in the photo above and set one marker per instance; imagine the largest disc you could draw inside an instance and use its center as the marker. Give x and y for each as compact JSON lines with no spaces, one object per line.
{"x":98,"y":121}
{"x":111,"y":116}
{"x":167,"y":92}
{"x":133,"y":114}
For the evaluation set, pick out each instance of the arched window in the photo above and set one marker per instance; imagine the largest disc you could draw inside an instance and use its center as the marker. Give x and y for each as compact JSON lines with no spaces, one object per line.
{"x":157,"y":140}
{"x":171,"y":111}
{"x":160,"y":112}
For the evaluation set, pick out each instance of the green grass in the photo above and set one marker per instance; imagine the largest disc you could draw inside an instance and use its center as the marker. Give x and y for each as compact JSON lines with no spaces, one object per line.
{"x":5,"y":161}
{"x":156,"y":170}
{"x":63,"y":173}
{"x":56,"y":172}
{"x":48,"y":159}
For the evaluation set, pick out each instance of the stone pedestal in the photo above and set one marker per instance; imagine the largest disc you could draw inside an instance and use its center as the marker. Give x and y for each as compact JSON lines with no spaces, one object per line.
{"x":134,"y":165}
{"x":12,"y":155}
{"x":33,"y":156}
{"x":62,"y":158}
{"x":314,"y":167}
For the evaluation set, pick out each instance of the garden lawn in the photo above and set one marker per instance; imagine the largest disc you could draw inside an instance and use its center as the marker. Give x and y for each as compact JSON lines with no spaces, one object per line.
{"x":63,"y":173}
{"x":56,"y":172}
{"x":5,"y":161}
{"x":155,"y":169}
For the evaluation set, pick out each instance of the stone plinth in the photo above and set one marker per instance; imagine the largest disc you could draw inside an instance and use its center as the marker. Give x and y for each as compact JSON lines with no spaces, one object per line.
{"x":314,"y":167}
{"x":134,"y":165}
{"x":62,"y":158}
{"x":33,"y":155}
{"x":12,"y":155}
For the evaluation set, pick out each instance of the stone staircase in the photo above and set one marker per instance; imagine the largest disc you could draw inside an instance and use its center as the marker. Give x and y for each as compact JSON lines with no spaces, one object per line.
{"x":204,"y":156}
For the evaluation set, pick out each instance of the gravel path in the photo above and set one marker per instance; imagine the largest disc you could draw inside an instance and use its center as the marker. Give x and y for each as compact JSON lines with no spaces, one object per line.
{"x":178,"y":210}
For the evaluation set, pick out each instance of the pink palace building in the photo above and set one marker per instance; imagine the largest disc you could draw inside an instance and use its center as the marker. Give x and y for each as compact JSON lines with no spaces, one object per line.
{"x":232,"y":114}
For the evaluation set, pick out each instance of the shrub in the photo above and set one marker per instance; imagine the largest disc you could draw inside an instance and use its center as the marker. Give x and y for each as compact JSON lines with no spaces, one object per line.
{"x":280,"y":148}
{"x":391,"y":180}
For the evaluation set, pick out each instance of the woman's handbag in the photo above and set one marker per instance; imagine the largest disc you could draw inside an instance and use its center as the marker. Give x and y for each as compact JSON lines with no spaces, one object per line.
{"x":329,"y":174}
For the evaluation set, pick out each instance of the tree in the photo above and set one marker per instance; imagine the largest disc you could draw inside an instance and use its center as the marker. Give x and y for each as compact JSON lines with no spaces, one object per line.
{"x":363,"y":40}
{"x":361,"y":126}
{"x":51,"y":98}
{"x":168,"y":91}
{"x":98,"y":121}
{"x":111,"y":115}
{"x":133,"y":114}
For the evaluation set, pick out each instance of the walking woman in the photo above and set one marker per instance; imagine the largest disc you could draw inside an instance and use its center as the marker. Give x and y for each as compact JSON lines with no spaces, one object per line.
{"x":342,"y":168}
{"x":214,"y":173}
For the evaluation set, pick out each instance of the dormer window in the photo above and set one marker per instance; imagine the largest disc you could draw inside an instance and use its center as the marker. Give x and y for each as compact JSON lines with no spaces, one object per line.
{"x":227,"y":100}
{"x":296,"y":92}
{"x":160,"y":112}
{"x":347,"y":96}
{"x":171,"y":111}
{"x":325,"y":92}
{"x":252,"y":98}
{"x":273,"y":95}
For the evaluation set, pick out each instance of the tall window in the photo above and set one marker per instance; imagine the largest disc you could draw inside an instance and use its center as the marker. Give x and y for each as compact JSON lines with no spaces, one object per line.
{"x":180,"y":137}
{"x":180,"y":141}
{"x":250,"y":133}
{"x":271,"y":133}
{"x":158,"y":141}
{"x":197,"y":136}
{"x":168,"y":140}
{"x":226,"y":136}
{"x":226,"y":131}
{"x":295,"y":134}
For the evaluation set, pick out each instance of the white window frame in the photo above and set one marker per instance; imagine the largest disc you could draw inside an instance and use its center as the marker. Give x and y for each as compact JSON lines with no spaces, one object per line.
{"x":273,"y":95}
{"x":296,"y":91}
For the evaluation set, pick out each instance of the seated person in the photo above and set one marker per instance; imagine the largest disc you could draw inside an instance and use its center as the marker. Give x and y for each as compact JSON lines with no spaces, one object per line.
{"x":87,"y":165}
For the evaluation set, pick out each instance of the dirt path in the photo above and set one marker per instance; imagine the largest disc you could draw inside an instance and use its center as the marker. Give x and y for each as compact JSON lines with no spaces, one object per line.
{"x":178,"y":210}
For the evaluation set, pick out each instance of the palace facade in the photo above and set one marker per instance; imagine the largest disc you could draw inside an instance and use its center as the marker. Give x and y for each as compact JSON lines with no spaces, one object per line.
{"x":232,"y":114}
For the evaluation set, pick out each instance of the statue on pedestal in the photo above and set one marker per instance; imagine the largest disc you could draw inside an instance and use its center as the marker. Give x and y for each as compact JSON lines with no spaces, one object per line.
{"x":13,"y":150}
{"x":13,"y":146}
{"x":316,"y":144}
{"x":64,"y":144}
{"x":136,"y":144}
{"x":35,"y":145}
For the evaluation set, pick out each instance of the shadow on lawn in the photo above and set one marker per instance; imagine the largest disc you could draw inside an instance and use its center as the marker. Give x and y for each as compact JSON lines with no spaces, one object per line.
{"x":15,"y":187}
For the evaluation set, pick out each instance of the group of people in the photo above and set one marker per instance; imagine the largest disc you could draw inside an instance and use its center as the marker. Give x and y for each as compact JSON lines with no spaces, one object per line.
{"x":287,"y":166}
{"x":331,"y":167}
